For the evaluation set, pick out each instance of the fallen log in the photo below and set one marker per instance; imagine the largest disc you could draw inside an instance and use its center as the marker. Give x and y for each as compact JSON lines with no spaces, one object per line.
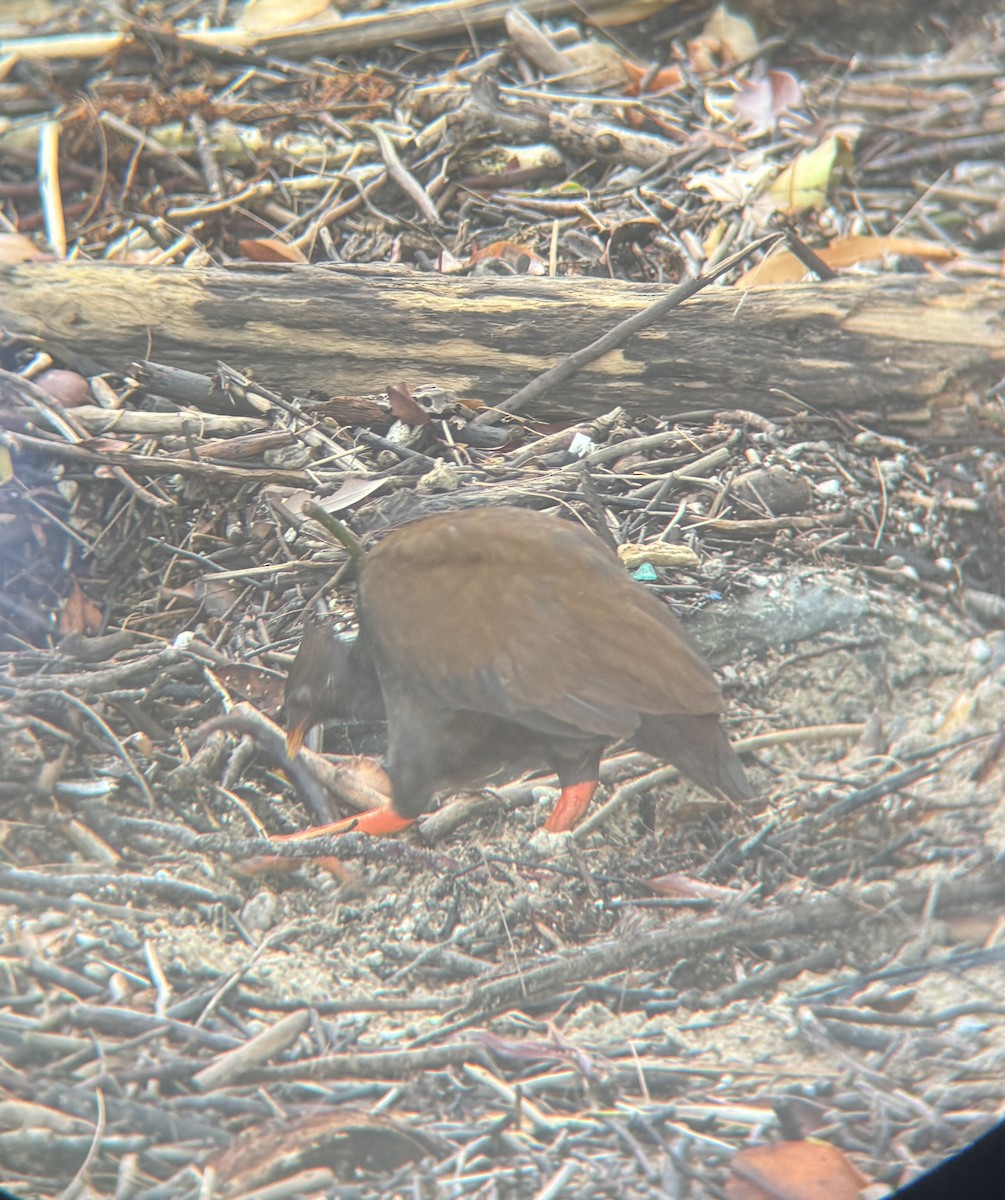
{"x":919,"y":353}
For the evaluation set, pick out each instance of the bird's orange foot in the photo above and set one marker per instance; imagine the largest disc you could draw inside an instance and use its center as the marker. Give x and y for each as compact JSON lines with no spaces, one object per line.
{"x":376,"y":821}
{"x":570,"y":806}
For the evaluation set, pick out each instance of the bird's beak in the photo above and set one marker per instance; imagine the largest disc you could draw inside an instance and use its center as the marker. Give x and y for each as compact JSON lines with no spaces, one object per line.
{"x":295,"y":738}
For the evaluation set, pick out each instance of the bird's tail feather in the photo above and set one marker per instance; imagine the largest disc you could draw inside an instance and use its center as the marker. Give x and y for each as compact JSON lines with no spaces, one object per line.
{"x":699,"y":748}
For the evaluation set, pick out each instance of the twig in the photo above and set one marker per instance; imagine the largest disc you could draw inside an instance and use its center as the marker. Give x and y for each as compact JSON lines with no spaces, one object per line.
{"x":338,"y":529}
{"x":49,"y":189}
{"x":402,"y":176}
{"x":619,"y":334}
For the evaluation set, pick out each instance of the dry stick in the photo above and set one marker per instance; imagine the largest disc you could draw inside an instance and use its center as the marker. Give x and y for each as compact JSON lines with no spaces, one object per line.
{"x":170,"y":891}
{"x":252,"y":1054}
{"x":619,"y":334}
{"x":20,"y":388}
{"x":399,"y":173}
{"x":850,"y":909}
{"x":151,"y":464}
{"x":78,"y":1185}
{"x":49,"y":189}
{"x":120,"y":750}
{"x":811,"y":261}
{"x":338,"y":529}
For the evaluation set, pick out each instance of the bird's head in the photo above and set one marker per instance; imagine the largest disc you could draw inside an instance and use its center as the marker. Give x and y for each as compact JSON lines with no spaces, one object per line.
{"x":316,"y":685}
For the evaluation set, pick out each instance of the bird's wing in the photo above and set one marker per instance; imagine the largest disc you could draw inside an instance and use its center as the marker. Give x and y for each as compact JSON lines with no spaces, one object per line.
{"x":556,"y":636}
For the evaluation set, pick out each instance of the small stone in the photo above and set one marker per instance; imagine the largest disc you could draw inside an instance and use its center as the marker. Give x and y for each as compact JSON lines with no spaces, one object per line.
{"x":444,"y":477}
{"x":773,"y":491}
{"x":288,"y":458}
{"x":259,"y":912}
{"x":979,"y":650}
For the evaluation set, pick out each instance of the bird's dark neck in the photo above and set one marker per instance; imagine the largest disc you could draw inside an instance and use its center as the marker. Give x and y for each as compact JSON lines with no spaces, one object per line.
{"x":361,"y":698}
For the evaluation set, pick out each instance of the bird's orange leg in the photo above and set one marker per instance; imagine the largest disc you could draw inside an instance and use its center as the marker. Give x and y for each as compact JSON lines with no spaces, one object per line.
{"x":375,"y":821}
{"x":570,"y":806}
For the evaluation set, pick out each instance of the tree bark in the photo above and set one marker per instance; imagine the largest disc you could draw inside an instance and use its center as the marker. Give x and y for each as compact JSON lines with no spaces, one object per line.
{"x":915,"y":352}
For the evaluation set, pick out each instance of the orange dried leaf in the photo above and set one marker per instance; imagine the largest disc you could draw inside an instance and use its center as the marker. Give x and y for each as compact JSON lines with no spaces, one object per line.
{"x":684,"y":887}
{"x":404,"y":407}
{"x":271,"y":250}
{"x":843,"y":252}
{"x":807,"y":1170}
{"x":510,"y":252}
{"x":663,"y":80}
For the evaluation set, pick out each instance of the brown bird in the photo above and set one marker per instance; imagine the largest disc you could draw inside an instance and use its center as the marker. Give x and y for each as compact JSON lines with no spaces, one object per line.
{"x":503,"y":639}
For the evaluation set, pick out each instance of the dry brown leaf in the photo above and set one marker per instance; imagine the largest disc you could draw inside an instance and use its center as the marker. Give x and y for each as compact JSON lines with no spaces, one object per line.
{"x":271,"y":250}
{"x":686,"y":888}
{"x":351,"y":492}
{"x":958,"y":716}
{"x":843,"y":252}
{"x":79,"y":614}
{"x":108,"y":445}
{"x":663,"y":80}
{"x":16,"y":248}
{"x":725,"y":39}
{"x":735,"y":186}
{"x":809,"y":1170}
{"x":404,"y":407}
{"x":972,"y":927}
{"x":760,"y":102}
{"x":627,"y":12}
{"x":266,"y":16}
{"x":596,"y":67}
{"x":510,"y":252}
{"x":247,"y":682}
{"x":345,"y":1140}
{"x":990,"y":759}
{"x":216,"y":596}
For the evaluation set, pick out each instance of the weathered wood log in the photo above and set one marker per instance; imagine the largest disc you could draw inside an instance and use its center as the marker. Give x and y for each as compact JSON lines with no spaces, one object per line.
{"x":919,"y":353}
{"x":350,"y":32}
